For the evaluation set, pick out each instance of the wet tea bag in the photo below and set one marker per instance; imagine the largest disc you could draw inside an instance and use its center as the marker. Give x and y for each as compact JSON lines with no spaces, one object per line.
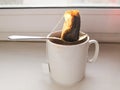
{"x":71,"y":27}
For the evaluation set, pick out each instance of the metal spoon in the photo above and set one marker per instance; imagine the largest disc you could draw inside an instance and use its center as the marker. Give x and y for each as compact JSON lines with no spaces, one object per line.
{"x":20,"y":37}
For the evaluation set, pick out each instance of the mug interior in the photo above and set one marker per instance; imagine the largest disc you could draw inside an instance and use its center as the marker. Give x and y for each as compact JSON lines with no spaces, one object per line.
{"x":61,"y":42}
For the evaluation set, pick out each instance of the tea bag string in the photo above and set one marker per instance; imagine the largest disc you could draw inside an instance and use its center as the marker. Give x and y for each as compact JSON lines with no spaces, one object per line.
{"x":58,"y":23}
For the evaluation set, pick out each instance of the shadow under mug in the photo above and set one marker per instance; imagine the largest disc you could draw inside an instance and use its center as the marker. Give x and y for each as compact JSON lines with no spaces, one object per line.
{"x":67,"y":63}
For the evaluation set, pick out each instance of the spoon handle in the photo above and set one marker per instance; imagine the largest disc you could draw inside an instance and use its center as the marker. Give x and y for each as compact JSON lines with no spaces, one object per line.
{"x":20,"y":37}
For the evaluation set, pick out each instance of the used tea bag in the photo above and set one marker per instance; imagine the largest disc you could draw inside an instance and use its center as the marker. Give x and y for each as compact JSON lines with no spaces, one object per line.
{"x":71,"y":27}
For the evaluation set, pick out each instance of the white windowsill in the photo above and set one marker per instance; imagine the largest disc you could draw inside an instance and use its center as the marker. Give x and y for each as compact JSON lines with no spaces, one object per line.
{"x":21,"y":68}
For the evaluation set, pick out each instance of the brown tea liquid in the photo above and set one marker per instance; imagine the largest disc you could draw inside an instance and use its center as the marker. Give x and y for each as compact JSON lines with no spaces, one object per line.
{"x":58,"y":34}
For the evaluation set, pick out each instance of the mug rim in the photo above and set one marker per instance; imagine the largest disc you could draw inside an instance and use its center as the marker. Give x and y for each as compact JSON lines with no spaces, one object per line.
{"x":68,"y":44}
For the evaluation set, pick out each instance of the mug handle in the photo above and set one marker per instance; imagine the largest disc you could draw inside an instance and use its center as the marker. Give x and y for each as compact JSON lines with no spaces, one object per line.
{"x":93,"y":59}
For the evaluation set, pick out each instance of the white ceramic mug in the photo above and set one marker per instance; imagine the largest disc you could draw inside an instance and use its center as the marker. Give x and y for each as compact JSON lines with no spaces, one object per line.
{"x":67,"y":63}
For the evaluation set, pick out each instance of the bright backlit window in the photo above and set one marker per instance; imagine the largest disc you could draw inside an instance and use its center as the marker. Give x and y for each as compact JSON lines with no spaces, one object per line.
{"x":60,"y":3}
